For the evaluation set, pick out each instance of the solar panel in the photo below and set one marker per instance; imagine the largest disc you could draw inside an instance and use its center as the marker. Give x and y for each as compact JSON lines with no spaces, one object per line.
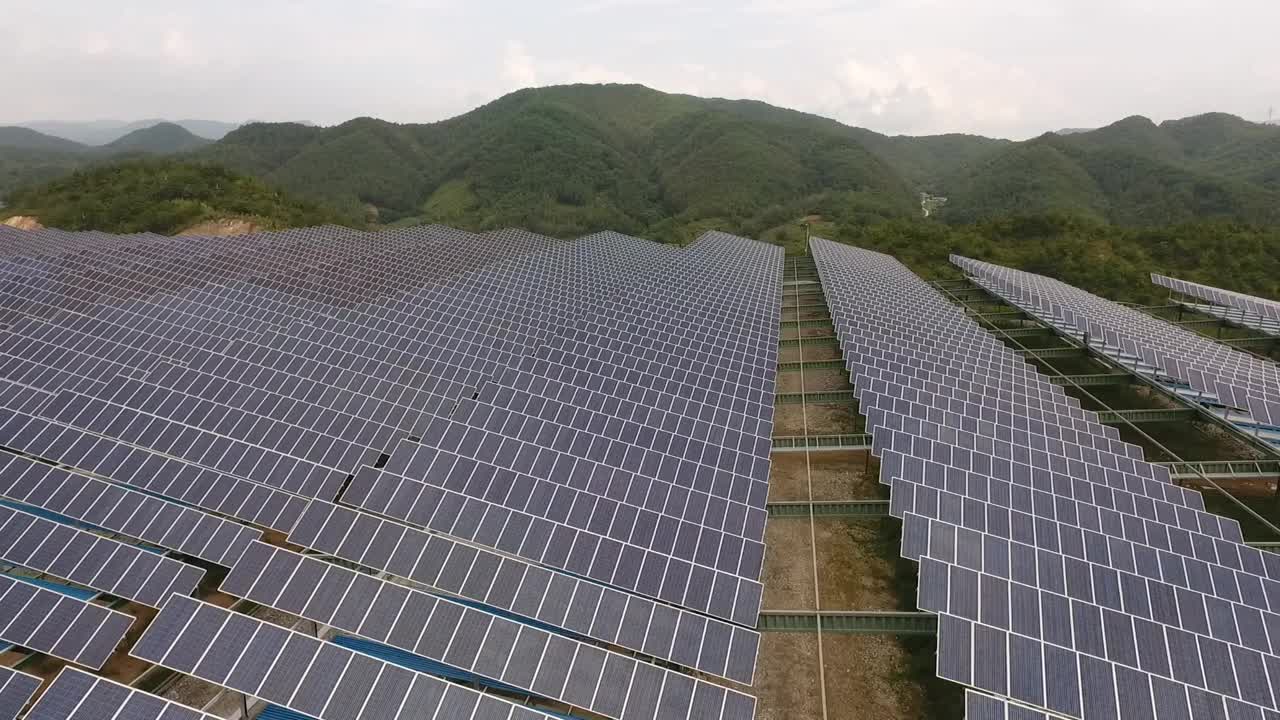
{"x":562,"y":546}
{"x":468,"y":638}
{"x":628,"y":385}
{"x":1069,"y":576}
{"x":16,"y":689}
{"x":299,"y":672}
{"x":152,"y":472}
{"x":986,"y":707}
{"x":77,"y":695}
{"x":1237,"y":308}
{"x":1197,"y":366}
{"x":56,"y":624}
{"x":501,"y":581}
{"x":115,"y":508}
{"x":92,"y":560}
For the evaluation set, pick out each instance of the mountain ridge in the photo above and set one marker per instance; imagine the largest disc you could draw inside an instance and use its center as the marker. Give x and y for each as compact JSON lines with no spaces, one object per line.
{"x":573,"y":158}
{"x":164,"y":138}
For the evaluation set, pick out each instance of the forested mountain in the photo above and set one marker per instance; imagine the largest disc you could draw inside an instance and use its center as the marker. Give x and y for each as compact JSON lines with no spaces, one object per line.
{"x":162,"y":196}
{"x":1133,"y":172}
{"x":27,"y":139}
{"x":573,"y":158}
{"x":105,"y":132}
{"x":162,"y":139}
{"x":569,"y":159}
{"x":1198,"y":197}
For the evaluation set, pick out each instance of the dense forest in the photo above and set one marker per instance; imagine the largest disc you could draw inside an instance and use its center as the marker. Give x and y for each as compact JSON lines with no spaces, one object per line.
{"x":1110,"y":260}
{"x":1198,"y":198}
{"x":161,"y":196}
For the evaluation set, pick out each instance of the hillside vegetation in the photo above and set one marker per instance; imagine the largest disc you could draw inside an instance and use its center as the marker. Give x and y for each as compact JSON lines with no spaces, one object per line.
{"x":572,"y":159}
{"x":164,"y":139}
{"x":1198,"y":197}
{"x":1133,"y":173}
{"x":161,"y":196}
{"x":29,"y":157}
{"x":1110,"y":260}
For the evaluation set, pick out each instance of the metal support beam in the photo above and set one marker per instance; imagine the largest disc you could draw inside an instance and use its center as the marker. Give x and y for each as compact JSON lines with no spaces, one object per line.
{"x":814,"y":443}
{"x":1224,"y":469}
{"x":1212,"y":323}
{"x":810,"y":365}
{"x":868,"y":622}
{"x":801,"y":324}
{"x":1024,"y":332}
{"x":802,"y":510}
{"x":1119,"y":417}
{"x":1264,"y":342}
{"x":1001,"y":315}
{"x":818,"y":398}
{"x":1049,"y":353}
{"x":1094,"y":380}
{"x":821,"y":341}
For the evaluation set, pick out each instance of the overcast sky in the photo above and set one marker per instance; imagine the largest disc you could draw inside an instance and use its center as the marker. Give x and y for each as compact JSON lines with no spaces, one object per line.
{"x":1008,"y":68}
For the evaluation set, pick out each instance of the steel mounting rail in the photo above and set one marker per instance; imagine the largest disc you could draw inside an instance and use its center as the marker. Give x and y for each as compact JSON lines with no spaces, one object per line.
{"x":856,"y":622}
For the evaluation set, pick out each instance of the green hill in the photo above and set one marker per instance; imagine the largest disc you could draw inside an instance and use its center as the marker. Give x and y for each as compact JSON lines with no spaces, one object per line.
{"x":163,"y":139}
{"x":29,"y":158}
{"x":27,"y":139}
{"x":569,"y":159}
{"x":162,"y":196}
{"x":1132,"y":172}
{"x":572,"y":159}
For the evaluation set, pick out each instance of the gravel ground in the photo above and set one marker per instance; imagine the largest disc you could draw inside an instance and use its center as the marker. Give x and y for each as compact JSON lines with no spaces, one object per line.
{"x":788,"y":566}
{"x":851,"y":574}
{"x":787,"y":677}
{"x":838,"y":419}
{"x":863,"y":679}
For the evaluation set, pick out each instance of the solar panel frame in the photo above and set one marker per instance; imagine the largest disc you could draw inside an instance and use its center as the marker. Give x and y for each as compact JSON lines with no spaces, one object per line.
{"x":59,"y":625}
{"x":16,"y":689}
{"x":78,"y":695}
{"x":92,"y":560}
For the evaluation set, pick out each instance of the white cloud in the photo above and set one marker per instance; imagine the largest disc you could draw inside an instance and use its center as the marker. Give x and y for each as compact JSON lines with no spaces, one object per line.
{"x":518,"y":66}
{"x":998,"y":67}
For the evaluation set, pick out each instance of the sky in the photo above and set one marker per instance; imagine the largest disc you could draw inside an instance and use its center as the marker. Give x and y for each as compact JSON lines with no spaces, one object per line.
{"x":1002,"y":68}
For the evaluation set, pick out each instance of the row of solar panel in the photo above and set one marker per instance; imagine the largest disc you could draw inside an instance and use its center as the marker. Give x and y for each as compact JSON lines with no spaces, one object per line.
{"x":134,"y":353}
{"x":1067,"y":577}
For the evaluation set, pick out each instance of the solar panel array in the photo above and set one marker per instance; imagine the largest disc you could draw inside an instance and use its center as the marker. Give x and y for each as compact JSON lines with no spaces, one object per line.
{"x":77,"y":695}
{"x":571,"y":438}
{"x":16,"y":689}
{"x":59,"y":625}
{"x":1214,"y":373}
{"x":1070,"y":577}
{"x":1237,"y":308}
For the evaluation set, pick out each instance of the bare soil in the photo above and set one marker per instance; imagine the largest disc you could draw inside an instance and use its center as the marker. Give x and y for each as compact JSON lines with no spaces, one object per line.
{"x":864,"y":679}
{"x":23,"y":222}
{"x":787,"y":677}
{"x":788,"y":566}
{"x":221,"y":228}
{"x":835,"y":476}
{"x":192,"y":692}
{"x":826,"y":380}
{"x":851,"y":574}
{"x":822,"y":352}
{"x":837,"y":419}
{"x":789,"y":382}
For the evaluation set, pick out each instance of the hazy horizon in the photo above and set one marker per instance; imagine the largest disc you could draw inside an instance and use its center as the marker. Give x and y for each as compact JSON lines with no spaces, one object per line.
{"x":992,"y":67}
